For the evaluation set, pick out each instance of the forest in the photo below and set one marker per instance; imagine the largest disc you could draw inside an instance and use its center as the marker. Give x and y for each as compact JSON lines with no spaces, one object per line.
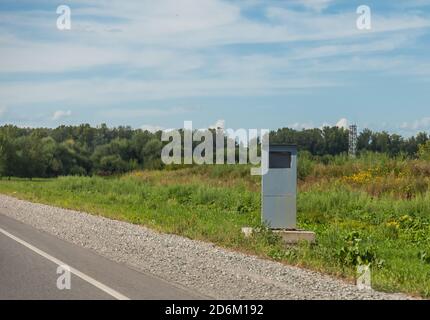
{"x":86,"y":150}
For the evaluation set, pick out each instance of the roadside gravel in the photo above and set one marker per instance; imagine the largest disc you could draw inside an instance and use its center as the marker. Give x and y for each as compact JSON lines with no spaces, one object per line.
{"x":203,"y":267}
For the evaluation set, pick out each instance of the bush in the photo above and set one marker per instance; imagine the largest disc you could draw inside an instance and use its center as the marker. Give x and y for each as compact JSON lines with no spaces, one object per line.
{"x":424,"y":151}
{"x":78,"y":171}
{"x":305,"y":164}
{"x":112,"y":164}
{"x":356,"y":251}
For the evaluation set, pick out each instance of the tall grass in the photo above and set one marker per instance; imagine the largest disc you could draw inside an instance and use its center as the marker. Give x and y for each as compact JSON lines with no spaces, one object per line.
{"x":373,"y":209}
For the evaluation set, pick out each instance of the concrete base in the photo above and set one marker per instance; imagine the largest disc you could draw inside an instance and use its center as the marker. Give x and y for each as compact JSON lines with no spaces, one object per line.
{"x":295,"y":236}
{"x":288,"y":236}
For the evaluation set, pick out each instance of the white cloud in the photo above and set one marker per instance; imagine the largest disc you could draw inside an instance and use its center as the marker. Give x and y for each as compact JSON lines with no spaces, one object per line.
{"x":159,"y":42}
{"x":107,"y":90}
{"x":385,"y":44}
{"x":219,"y":124}
{"x":151,"y":128}
{"x":174,"y":30}
{"x":421,"y":124}
{"x":300,"y":126}
{"x":343,"y":123}
{"x":35,"y":57}
{"x":60,"y":114}
{"x":317,"y":5}
{"x":142,"y":112}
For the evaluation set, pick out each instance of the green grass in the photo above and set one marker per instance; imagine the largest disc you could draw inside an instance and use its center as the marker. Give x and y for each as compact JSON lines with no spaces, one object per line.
{"x":213,"y":205}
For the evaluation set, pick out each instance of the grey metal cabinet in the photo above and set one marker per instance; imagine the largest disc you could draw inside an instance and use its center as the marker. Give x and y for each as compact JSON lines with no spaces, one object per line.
{"x":279,"y":188}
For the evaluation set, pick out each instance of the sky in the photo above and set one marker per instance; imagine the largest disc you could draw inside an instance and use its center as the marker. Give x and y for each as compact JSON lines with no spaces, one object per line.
{"x":252,"y":63}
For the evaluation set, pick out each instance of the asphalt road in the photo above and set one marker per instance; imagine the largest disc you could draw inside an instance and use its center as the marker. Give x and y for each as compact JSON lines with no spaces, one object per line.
{"x":28,"y":270}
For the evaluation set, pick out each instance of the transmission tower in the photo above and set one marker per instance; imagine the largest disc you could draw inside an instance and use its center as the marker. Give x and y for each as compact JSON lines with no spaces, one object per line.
{"x":352,"y":140}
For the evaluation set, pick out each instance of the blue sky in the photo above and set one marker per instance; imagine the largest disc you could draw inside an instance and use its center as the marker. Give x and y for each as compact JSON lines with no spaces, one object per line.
{"x":254,"y":64}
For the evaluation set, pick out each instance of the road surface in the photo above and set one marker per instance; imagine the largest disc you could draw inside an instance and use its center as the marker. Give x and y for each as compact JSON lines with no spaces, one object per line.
{"x":202,"y":267}
{"x":29,"y":260}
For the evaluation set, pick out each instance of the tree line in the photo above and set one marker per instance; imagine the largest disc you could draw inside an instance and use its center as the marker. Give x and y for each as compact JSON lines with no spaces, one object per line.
{"x":335,"y":140}
{"x":87,"y":150}
{"x":76,"y":150}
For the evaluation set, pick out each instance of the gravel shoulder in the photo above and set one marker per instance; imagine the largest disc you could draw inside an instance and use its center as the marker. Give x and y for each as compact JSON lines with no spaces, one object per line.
{"x":205,"y":268}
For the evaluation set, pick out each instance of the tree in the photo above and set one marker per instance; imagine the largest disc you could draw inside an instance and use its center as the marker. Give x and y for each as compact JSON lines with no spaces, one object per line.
{"x":31,"y":161}
{"x":54,"y":167}
{"x":424,"y":151}
{"x":396,"y":144}
{"x":152,"y":154}
{"x":7,"y":155}
{"x":380,"y":142}
{"x":364,"y":140}
{"x":112,"y":164}
{"x":336,"y":140}
{"x":422,"y":138}
{"x":137,"y":144}
{"x":81,"y":150}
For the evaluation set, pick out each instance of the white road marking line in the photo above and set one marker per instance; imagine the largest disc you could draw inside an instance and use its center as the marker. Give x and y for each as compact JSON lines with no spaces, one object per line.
{"x":76,"y":272}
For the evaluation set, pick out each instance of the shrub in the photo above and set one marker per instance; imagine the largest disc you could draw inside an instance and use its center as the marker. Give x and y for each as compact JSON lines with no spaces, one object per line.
{"x":356,"y":251}
{"x":112,"y":164}
{"x":424,"y":151}
{"x":305,"y":164}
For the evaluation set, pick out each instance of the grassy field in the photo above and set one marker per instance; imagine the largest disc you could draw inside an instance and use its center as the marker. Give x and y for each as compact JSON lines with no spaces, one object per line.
{"x":370,"y":210}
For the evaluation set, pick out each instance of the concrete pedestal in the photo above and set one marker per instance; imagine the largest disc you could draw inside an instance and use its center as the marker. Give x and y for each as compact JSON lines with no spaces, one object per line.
{"x":295,"y":236}
{"x":287,"y":236}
